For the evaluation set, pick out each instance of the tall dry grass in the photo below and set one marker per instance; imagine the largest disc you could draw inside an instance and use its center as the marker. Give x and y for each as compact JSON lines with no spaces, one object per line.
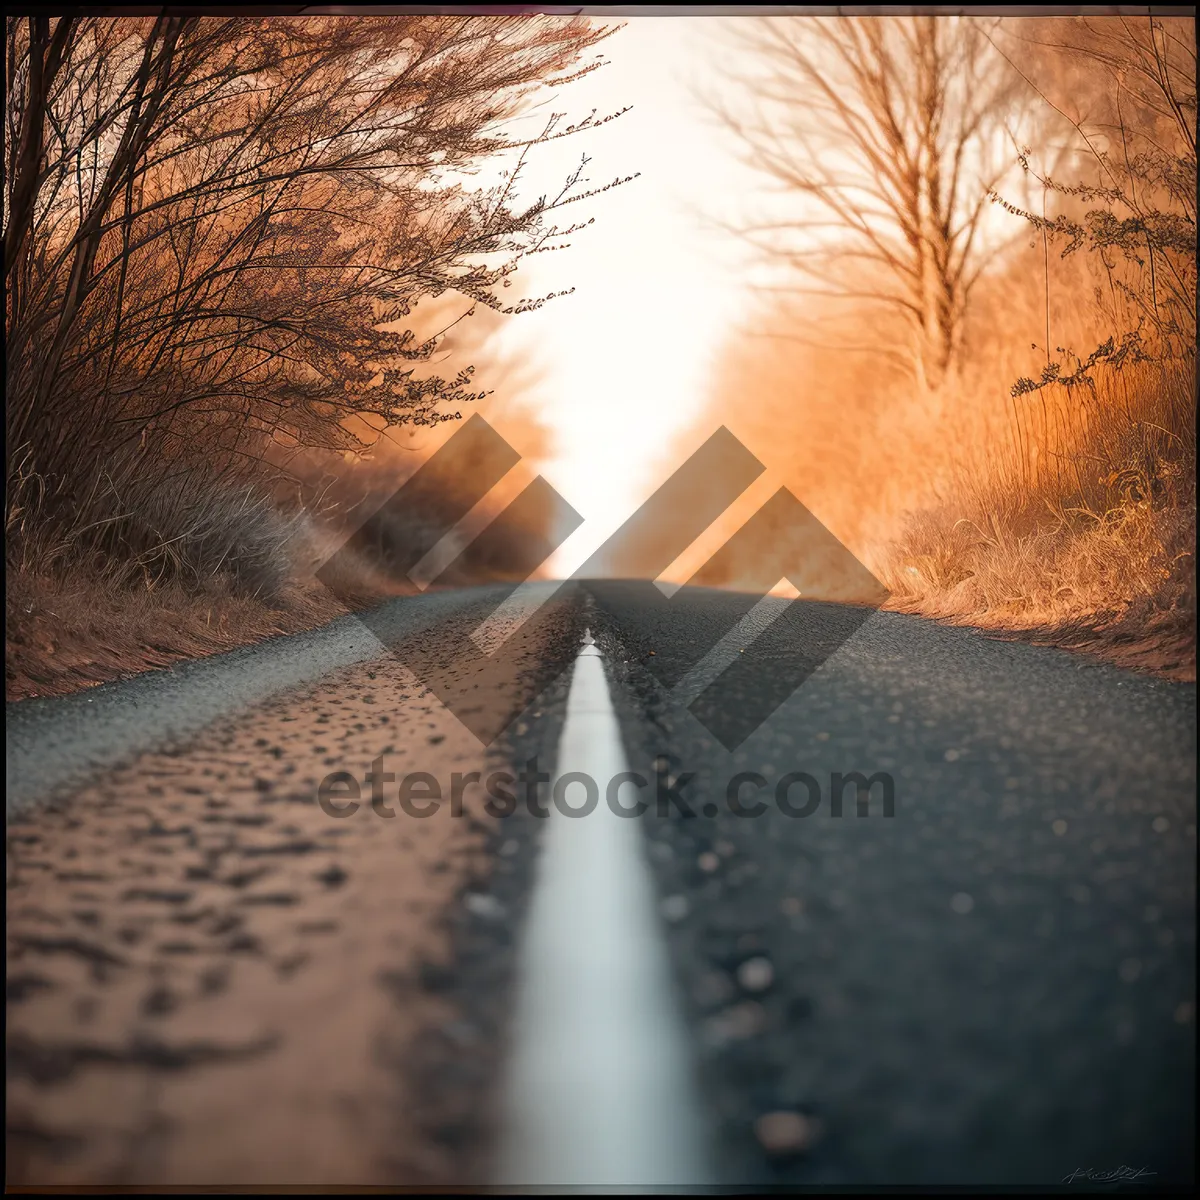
{"x":1048,"y":483}
{"x":244,"y":563}
{"x":1065,"y":507}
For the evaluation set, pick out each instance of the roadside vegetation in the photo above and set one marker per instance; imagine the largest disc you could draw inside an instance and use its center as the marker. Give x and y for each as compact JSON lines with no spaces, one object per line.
{"x":976,"y":356}
{"x":240,"y":254}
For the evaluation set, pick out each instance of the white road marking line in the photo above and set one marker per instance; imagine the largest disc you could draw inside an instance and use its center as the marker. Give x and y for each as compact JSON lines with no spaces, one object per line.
{"x":600,"y":1092}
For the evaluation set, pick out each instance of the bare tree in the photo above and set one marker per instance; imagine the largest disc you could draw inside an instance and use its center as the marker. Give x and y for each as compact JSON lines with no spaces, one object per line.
{"x":890,"y":134}
{"x":217,"y":229}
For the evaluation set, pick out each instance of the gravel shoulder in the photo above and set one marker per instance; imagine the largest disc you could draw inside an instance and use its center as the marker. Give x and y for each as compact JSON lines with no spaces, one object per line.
{"x":214,"y":982}
{"x":54,"y":742}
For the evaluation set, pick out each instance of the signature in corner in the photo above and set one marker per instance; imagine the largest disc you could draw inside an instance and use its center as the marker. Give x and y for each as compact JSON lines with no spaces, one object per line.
{"x":1117,"y":1174}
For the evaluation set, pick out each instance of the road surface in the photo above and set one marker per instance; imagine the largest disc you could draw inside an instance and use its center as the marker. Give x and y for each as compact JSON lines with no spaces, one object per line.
{"x":214,"y":980}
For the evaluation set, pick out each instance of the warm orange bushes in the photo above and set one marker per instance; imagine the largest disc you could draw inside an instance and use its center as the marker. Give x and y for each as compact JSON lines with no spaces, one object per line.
{"x":1048,"y":481}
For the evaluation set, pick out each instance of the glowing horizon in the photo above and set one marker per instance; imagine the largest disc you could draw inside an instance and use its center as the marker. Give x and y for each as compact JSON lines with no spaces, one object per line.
{"x":626,"y":356}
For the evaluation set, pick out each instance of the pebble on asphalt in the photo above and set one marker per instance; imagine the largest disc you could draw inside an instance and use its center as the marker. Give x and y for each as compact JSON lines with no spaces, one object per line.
{"x":708,"y":861}
{"x":782,"y":1134}
{"x":756,"y":974}
{"x":743,"y":1020}
{"x":962,"y":903}
{"x":675,"y":908}
{"x":480,"y":904}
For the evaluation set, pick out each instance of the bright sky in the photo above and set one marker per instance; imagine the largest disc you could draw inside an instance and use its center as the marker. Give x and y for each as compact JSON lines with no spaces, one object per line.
{"x":627,"y":359}
{"x":628,"y":355}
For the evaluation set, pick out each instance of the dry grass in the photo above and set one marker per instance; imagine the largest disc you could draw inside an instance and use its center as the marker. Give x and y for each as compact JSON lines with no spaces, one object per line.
{"x":201,"y":570}
{"x":1078,"y":529}
{"x":1122,"y":587}
{"x":1065,"y":516}
{"x":1045,"y":483}
{"x":69,"y":632}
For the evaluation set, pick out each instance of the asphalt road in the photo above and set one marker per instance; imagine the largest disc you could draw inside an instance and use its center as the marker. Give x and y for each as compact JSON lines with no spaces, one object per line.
{"x":994,"y":985}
